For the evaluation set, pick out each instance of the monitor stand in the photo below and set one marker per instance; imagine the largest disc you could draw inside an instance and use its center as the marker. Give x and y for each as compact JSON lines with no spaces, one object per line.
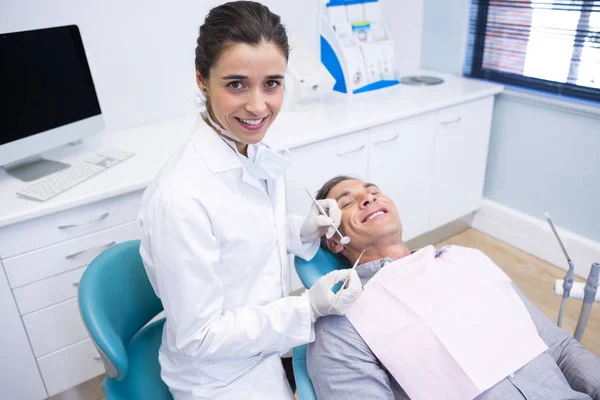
{"x":33,"y":168}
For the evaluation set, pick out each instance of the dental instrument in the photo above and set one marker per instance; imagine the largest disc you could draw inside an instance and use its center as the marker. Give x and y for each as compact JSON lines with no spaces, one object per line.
{"x":343,"y":239}
{"x":346,"y":280}
{"x":591,"y":287}
{"x":568,"y":280}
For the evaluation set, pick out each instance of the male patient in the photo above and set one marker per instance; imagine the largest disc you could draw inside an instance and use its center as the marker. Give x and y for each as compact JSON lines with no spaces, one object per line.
{"x":342,"y":366}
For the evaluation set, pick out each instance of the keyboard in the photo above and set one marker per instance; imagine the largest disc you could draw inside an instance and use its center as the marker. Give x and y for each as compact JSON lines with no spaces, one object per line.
{"x":61,"y":181}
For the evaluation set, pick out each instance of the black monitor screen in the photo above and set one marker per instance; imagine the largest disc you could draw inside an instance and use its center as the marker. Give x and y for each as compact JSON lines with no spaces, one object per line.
{"x":45,"y":82}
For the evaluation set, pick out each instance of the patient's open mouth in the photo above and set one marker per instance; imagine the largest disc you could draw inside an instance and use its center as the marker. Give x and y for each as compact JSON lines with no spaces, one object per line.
{"x":374,"y":214}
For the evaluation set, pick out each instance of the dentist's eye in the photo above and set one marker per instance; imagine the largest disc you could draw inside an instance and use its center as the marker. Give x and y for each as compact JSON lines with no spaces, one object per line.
{"x":235,"y":85}
{"x":272,"y":84}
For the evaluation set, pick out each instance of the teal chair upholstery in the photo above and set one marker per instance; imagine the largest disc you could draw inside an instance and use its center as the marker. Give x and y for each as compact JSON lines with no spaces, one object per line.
{"x":309,"y":272}
{"x":116,"y":301}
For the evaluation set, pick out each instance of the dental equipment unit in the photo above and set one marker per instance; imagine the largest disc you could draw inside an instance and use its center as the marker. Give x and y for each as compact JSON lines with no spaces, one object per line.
{"x":568,"y":280}
{"x":343,"y":239}
{"x":577,"y":291}
{"x":567,"y":288}
{"x":346,"y":280}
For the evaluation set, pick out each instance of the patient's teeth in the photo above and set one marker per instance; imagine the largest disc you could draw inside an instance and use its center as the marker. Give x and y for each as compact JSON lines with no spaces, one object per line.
{"x":374,"y":215}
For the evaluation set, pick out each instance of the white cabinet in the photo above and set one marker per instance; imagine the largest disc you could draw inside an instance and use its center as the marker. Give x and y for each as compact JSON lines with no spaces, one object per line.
{"x":43,"y":260}
{"x":55,"y":327}
{"x":316,"y":163}
{"x":461,"y":148}
{"x":68,"y":224}
{"x":400,"y":164}
{"x":70,"y":366}
{"x":19,"y":376}
{"x":48,"y":292}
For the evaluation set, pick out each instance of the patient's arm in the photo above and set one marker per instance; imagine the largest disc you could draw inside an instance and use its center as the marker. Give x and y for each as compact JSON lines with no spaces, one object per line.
{"x":580,"y":367}
{"x":341,"y":365}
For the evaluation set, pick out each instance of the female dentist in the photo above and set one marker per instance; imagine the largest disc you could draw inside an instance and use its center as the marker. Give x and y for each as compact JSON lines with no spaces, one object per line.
{"x":215,"y":234}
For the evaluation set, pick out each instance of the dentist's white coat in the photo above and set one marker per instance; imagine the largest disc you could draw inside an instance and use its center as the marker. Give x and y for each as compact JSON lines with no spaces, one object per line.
{"x":214,"y":245}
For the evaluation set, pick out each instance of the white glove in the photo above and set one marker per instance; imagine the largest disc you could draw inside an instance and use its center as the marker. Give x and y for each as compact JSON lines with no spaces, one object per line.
{"x":321,"y":295}
{"x":317,"y":224}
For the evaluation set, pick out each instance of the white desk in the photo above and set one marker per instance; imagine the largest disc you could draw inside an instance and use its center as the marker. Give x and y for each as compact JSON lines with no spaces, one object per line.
{"x":425,"y":146}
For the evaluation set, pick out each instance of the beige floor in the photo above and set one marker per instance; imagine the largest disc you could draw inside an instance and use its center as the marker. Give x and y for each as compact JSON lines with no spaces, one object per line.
{"x":533,"y":276}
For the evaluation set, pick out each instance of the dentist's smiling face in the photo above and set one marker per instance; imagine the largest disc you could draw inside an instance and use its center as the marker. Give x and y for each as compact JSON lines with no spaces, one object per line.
{"x":245,"y":90}
{"x":368,"y":216}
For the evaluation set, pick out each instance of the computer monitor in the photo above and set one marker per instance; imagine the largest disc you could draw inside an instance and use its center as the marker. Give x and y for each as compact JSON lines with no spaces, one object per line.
{"x":47,"y":98}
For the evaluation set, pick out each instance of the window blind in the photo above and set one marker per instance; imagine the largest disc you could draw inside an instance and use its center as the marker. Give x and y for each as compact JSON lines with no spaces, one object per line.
{"x":551,"y":46}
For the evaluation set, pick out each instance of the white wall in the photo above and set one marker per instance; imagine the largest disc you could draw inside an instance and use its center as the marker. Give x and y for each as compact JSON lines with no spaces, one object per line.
{"x":141,"y":52}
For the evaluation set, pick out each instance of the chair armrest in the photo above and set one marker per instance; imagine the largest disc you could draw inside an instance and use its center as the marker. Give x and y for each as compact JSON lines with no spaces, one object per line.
{"x":303,"y":383}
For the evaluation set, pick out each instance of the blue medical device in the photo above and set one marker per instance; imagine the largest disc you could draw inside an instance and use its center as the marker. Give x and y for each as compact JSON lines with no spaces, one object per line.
{"x":356,"y":47}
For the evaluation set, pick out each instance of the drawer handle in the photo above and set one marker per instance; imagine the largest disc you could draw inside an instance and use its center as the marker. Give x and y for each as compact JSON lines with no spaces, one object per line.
{"x":103,"y":216}
{"x":451,"y":121}
{"x":104,"y":246}
{"x":75,"y":284}
{"x":351,"y":151}
{"x":387,"y":140}
{"x":98,"y":358}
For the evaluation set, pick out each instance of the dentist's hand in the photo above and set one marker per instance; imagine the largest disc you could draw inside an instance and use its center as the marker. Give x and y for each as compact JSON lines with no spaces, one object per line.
{"x":322,"y":297}
{"x":317,"y":224}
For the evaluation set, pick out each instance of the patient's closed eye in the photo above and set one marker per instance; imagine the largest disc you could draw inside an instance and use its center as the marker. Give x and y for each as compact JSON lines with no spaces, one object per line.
{"x":346,"y":202}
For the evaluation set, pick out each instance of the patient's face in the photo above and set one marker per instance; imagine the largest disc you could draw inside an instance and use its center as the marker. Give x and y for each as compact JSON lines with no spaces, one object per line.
{"x":367,"y":214}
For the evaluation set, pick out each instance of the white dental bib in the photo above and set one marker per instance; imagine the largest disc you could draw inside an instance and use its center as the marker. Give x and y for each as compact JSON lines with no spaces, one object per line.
{"x":449,"y":327}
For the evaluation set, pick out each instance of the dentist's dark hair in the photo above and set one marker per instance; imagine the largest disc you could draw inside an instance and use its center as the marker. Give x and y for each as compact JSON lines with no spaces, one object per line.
{"x":237,"y":22}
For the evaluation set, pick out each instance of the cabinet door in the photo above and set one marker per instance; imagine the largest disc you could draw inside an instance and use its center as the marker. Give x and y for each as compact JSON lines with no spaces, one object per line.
{"x":19,"y":375}
{"x":316,"y":163}
{"x":70,"y":366}
{"x":461,"y":148}
{"x":401,"y":165}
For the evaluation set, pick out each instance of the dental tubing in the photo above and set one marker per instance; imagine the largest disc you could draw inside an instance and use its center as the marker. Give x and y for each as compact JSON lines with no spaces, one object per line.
{"x":590,"y":291}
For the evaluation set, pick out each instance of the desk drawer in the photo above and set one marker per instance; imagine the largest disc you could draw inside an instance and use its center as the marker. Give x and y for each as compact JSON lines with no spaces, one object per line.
{"x":64,"y":225}
{"x":55,"y":327}
{"x":47,"y":292}
{"x":70,"y":366}
{"x":66,"y":256}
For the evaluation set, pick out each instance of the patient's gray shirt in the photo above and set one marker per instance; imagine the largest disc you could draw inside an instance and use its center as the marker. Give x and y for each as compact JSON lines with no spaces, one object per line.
{"x":341,"y":365}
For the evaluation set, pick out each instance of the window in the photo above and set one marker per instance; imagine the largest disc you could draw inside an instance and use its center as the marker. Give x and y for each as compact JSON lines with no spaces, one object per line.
{"x":552,"y":46}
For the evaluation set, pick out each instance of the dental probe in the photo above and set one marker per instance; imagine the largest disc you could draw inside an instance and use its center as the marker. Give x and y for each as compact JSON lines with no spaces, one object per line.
{"x":346,"y":280}
{"x":343,"y":239}
{"x":568,"y":280}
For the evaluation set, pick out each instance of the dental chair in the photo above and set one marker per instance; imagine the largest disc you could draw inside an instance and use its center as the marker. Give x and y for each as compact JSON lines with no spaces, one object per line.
{"x":116,"y":302}
{"x":309,"y":272}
